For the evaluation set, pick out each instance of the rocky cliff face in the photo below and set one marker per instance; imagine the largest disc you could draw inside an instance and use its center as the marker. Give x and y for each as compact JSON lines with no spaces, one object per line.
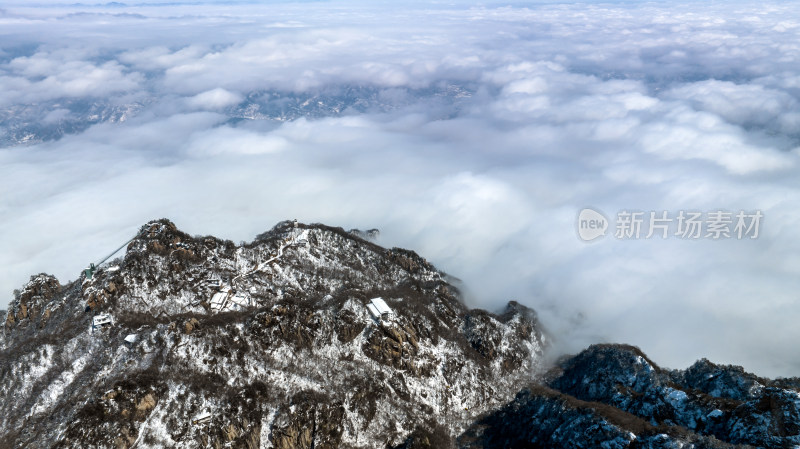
{"x":265,"y":344}
{"x":614,"y":396}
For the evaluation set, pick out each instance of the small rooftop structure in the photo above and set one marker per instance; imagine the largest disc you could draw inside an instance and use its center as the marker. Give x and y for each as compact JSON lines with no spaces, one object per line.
{"x":100,"y":321}
{"x":131,"y":338}
{"x":227,"y":299}
{"x":380,"y":310}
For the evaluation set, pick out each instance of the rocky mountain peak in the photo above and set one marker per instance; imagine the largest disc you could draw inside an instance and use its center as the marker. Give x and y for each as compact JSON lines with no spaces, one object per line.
{"x":29,"y":302}
{"x":725,"y":381}
{"x":311,"y":336}
{"x":193,"y":341}
{"x":706,"y":400}
{"x":601,"y":370}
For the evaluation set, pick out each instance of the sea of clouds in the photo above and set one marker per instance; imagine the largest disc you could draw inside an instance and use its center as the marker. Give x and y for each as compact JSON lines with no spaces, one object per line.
{"x":490,"y":127}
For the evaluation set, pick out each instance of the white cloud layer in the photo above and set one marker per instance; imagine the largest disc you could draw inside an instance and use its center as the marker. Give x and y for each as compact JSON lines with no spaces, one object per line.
{"x":473,"y":135}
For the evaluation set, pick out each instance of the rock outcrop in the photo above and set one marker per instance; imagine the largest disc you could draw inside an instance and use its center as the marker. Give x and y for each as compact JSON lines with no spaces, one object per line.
{"x":614,"y":396}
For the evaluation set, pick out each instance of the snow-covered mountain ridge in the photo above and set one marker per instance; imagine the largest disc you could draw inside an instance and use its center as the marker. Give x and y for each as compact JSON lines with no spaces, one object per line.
{"x":267,"y":344}
{"x":279,"y":343}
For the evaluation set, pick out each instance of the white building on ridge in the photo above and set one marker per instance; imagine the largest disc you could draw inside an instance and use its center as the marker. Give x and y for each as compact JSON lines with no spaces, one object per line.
{"x":380,"y":310}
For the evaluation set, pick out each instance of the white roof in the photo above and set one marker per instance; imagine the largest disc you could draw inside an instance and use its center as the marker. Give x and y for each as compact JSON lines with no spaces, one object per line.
{"x":131,"y":338}
{"x":373,"y":311}
{"x":224,"y":301}
{"x":101,"y":319}
{"x":381,"y":306}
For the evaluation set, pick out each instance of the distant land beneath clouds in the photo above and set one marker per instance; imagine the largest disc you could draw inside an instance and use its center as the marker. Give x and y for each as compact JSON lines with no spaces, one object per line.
{"x":473,"y":134}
